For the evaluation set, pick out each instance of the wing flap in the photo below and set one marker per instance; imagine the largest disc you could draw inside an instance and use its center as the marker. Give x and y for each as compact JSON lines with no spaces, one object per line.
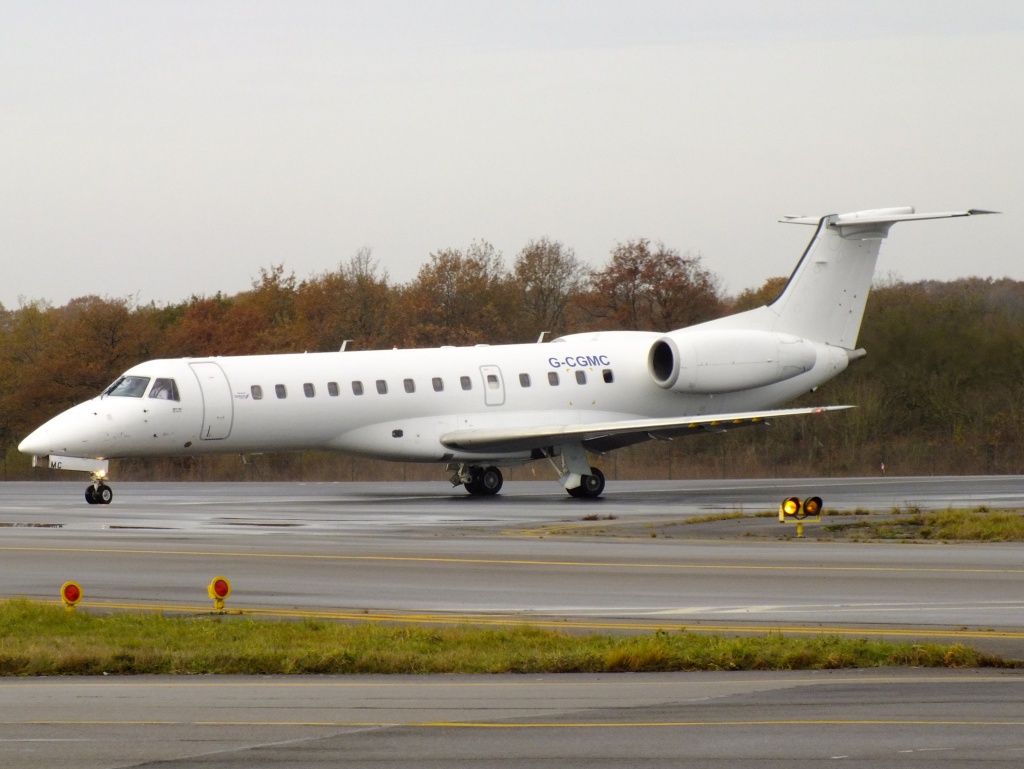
{"x":506,"y":439}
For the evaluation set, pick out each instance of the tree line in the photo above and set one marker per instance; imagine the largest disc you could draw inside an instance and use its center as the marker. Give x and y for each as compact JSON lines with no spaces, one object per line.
{"x":939,"y":392}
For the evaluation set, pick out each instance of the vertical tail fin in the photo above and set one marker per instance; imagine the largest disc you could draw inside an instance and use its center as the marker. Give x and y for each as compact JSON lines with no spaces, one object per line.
{"x":825,"y":297}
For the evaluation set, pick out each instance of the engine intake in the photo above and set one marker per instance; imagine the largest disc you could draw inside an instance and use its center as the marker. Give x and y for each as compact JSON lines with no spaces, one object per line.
{"x":711,"y":362}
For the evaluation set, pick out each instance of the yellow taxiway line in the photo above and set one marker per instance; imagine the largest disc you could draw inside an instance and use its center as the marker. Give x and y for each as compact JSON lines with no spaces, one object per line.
{"x":513,"y":561}
{"x":528,"y":725}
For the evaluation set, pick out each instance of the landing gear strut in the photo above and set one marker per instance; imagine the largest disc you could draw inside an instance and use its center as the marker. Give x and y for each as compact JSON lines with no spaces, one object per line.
{"x":479,"y":481}
{"x":97,"y":492}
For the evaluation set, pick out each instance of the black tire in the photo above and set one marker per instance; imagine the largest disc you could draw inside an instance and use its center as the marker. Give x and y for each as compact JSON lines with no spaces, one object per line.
{"x":491,"y":481}
{"x":475,"y":483}
{"x":486,"y":481}
{"x":591,"y":486}
{"x":90,"y":495}
{"x":104,"y":494}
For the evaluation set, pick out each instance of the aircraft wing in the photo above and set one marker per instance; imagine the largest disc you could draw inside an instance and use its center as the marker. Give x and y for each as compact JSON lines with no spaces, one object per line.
{"x":604,"y":435}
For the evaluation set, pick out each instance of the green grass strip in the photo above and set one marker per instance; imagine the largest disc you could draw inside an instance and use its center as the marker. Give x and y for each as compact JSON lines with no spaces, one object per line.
{"x":37,"y":639}
{"x":953,"y":524}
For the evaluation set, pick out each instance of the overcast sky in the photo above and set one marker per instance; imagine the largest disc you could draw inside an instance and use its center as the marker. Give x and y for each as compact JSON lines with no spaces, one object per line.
{"x":165,"y":149}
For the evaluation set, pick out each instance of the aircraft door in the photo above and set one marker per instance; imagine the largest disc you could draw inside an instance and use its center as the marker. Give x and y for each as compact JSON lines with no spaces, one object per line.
{"x":494,"y":386}
{"x":217,"y":405}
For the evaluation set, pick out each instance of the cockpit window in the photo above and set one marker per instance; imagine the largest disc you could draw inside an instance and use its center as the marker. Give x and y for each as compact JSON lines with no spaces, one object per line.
{"x":128,"y":387}
{"x":165,"y":390}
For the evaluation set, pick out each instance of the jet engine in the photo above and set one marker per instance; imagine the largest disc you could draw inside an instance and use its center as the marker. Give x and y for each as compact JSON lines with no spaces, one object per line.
{"x":713,"y":361}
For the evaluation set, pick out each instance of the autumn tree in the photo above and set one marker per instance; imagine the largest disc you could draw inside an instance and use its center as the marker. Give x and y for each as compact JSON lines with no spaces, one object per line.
{"x":268,"y":310}
{"x":750,"y":298}
{"x":56,"y":357}
{"x":26,"y":336}
{"x":201,"y":328}
{"x":547,"y":277}
{"x":458,"y":298}
{"x":352,"y":302}
{"x":652,"y":288}
{"x":261,"y":320}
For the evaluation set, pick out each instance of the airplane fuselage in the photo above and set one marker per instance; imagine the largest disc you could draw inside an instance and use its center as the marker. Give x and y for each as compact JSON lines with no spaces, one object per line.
{"x":390,"y":404}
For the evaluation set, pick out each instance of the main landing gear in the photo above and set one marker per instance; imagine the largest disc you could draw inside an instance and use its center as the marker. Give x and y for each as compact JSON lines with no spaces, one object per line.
{"x":487,"y":481}
{"x":98,"y":493}
{"x":479,"y":481}
{"x":590,"y":486}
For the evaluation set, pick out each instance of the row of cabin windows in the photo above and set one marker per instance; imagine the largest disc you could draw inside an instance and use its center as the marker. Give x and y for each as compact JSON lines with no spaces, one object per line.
{"x":436,"y":382}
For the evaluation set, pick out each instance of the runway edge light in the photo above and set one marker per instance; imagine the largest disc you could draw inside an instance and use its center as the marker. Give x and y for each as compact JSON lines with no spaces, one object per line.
{"x":70,"y":594}
{"x":218,"y":589}
{"x":792,"y":509}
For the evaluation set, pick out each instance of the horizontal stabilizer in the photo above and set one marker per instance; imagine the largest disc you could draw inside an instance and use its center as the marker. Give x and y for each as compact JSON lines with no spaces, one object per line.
{"x":507,"y":439}
{"x":881,"y":216}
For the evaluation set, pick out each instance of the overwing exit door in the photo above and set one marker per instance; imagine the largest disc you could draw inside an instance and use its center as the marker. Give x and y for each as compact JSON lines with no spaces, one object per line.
{"x":494,"y":386}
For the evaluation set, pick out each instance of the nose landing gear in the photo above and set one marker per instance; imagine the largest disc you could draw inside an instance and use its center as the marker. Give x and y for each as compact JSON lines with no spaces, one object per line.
{"x":97,"y":492}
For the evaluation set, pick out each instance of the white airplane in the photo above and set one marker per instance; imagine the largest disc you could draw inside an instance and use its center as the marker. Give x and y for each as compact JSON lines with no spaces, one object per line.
{"x":476,"y":409}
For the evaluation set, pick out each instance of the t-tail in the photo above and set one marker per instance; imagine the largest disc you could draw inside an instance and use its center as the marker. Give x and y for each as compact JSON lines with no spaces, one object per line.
{"x":825,"y":297}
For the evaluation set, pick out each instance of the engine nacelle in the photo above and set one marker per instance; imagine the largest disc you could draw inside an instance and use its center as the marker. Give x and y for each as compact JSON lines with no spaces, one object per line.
{"x":712,"y":361}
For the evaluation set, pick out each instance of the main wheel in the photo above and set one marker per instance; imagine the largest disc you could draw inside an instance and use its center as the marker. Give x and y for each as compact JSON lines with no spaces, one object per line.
{"x":491,"y":481}
{"x":104,"y":494}
{"x":590,"y":486}
{"x":485,"y":481}
{"x":90,"y":494}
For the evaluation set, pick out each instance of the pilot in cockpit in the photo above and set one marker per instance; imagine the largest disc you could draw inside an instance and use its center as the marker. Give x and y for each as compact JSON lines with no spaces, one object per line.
{"x":164,"y":389}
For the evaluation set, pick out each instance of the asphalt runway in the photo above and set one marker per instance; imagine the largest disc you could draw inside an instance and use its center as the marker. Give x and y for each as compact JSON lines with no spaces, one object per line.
{"x":428,"y":553}
{"x":876,"y":718}
{"x":394,"y":550}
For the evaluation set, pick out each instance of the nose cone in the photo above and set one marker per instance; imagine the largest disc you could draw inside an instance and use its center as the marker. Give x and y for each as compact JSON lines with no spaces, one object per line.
{"x":69,"y":434}
{"x":35,"y":443}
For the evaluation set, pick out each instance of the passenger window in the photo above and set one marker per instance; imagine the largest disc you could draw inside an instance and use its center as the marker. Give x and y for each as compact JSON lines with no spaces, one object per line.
{"x":438,"y":384}
{"x":608,"y":376}
{"x":581,"y":377}
{"x":128,"y":387}
{"x":524,"y":380}
{"x":466,"y":382}
{"x":410,"y":386}
{"x":309,"y":389}
{"x":382,"y":387}
{"x":357,"y":387}
{"x":257,"y":392}
{"x":492,"y":381}
{"x":165,"y":390}
{"x":553,"y":378}
{"x":281,"y":390}
{"x":332,"y":389}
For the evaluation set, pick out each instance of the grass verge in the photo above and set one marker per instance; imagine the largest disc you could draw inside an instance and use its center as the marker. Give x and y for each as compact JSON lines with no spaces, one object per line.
{"x":975,"y":525}
{"x":37,"y":639}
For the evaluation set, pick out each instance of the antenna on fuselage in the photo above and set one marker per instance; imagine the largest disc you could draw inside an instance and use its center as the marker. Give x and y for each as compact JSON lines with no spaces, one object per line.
{"x":344,"y":345}
{"x":542,"y":335}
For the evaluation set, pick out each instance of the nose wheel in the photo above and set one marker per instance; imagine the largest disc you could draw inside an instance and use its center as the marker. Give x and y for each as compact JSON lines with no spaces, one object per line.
{"x":98,"y":494}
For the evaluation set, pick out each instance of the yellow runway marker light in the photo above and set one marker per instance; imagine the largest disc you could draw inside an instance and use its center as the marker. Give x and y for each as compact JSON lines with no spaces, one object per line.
{"x":793,"y":509}
{"x":789,"y":508}
{"x":812,"y":508}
